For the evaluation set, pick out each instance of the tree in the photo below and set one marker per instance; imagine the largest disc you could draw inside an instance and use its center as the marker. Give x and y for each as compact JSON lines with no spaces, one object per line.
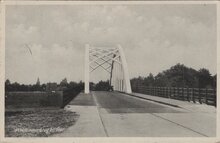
{"x":103,"y":86}
{"x":43,"y":87}
{"x":136,"y":82}
{"x":73,"y":87}
{"x":149,"y":80}
{"x":214,"y":81}
{"x":161,"y":80}
{"x":7,"y":85}
{"x":92,"y":86}
{"x":15,"y":86}
{"x":64,"y":83}
{"x":177,"y":76}
{"x":7,"y":82}
{"x":204,"y":77}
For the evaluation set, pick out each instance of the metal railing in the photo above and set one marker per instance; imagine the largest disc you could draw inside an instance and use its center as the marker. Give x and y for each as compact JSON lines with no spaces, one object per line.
{"x":201,"y":95}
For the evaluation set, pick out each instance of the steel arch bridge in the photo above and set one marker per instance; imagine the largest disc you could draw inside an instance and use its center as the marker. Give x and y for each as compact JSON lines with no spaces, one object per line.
{"x":113,"y":61}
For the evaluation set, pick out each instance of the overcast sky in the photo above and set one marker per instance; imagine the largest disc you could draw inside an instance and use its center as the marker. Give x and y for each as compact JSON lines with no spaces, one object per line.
{"x":154,"y":38}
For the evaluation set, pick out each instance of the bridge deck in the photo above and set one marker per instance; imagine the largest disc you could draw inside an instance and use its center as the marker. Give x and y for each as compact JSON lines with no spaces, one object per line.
{"x":115,"y":102}
{"x":114,"y":114}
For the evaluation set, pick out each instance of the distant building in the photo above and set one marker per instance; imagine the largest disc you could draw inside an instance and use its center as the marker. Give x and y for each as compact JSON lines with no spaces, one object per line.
{"x":38,"y":81}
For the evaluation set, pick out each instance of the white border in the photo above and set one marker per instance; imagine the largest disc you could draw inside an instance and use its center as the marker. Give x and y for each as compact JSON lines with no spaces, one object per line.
{"x":100,"y":139}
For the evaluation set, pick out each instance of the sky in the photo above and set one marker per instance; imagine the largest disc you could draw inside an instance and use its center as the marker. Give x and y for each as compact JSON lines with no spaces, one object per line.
{"x":48,"y":41}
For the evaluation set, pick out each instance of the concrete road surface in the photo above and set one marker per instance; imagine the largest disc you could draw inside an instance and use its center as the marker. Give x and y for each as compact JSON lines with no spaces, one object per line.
{"x":113,"y":114}
{"x":120,"y":103}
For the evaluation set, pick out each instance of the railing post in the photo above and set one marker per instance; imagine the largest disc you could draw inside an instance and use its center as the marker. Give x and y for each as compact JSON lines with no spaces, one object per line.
{"x":178,"y":96}
{"x":164,"y":91}
{"x":151,"y":90}
{"x":187,"y":94}
{"x":183,"y":94}
{"x":200,"y":98}
{"x":158,"y":91}
{"x":147,"y":91}
{"x":155,"y":91}
{"x":167,"y":89}
{"x":206,"y":96}
{"x":170,"y":92}
{"x":215,"y":98}
{"x":193,"y":96}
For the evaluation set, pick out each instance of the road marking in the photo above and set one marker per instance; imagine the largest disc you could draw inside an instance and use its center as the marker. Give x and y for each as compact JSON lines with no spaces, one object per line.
{"x":179,"y":124}
{"x":98,"y":106}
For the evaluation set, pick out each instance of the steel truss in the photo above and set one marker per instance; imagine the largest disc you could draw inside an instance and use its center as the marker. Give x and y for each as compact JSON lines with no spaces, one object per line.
{"x":113,"y":61}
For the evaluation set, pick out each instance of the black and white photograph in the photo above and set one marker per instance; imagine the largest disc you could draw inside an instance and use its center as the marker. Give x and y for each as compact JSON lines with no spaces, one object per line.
{"x":110,"y":70}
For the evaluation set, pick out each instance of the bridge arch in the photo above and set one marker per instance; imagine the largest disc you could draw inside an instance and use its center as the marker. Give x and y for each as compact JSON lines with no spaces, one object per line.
{"x":113,"y":61}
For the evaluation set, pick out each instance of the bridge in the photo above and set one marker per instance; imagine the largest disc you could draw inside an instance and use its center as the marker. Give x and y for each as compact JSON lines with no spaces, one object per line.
{"x":123,"y":113}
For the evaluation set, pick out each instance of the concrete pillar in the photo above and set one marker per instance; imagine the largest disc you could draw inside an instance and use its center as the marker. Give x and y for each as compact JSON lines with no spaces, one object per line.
{"x":86,"y":80}
{"x":125,"y":70}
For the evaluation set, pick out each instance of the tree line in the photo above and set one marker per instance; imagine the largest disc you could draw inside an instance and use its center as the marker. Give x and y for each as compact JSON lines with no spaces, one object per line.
{"x":15,"y":86}
{"x":178,"y":75}
{"x":64,"y":85}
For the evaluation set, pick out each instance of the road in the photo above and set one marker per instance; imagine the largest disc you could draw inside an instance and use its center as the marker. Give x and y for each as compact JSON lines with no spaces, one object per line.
{"x":113,"y":114}
{"x":121,"y":103}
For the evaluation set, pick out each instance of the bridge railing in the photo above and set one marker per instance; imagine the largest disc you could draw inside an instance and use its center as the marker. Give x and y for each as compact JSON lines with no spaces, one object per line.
{"x":68,"y":95}
{"x":201,"y":95}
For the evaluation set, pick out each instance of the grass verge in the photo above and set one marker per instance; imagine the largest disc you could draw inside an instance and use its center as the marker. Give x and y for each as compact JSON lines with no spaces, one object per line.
{"x":38,"y":122}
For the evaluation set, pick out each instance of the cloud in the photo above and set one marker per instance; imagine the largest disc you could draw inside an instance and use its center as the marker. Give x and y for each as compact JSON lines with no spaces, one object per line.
{"x":154,"y":37}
